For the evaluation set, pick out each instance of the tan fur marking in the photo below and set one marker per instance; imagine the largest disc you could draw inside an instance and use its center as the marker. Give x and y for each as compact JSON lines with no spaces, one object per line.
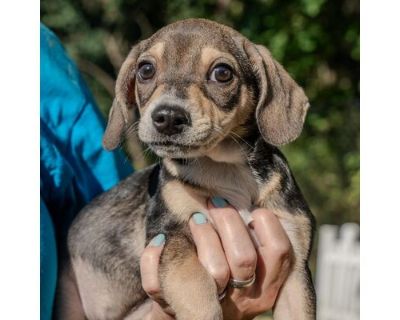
{"x":137,"y":96}
{"x":223,"y":122}
{"x":157,"y":50}
{"x":183,"y":200}
{"x":171,"y":167}
{"x":209,"y":54}
{"x":203,"y":104}
{"x":244,"y":111}
{"x":187,"y":286}
{"x":269,"y":192}
{"x":245,"y":102}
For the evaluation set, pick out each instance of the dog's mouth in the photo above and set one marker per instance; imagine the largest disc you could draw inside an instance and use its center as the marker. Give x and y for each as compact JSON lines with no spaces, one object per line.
{"x":173,"y":144}
{"x":175,"y":149}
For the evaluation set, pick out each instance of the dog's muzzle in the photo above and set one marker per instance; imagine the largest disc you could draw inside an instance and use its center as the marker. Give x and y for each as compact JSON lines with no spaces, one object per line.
{"x":170,"y":120}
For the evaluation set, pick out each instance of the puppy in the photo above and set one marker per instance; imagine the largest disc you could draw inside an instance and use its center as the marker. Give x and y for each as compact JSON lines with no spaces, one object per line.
{"x":214,"y":107}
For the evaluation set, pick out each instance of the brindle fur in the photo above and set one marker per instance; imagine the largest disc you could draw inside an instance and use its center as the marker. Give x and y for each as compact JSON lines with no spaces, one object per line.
{"x":260,"y":109}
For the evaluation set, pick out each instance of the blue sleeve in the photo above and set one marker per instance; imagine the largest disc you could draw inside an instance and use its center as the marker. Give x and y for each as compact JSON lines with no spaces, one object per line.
{"x":48,"y":263}
{"x":73,"y":165}
{"x":69,"y":112}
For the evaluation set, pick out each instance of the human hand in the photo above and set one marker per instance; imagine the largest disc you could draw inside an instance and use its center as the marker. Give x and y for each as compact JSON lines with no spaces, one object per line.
{"x":226,"y":251}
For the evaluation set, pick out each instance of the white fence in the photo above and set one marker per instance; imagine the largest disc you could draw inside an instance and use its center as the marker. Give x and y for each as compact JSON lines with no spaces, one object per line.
{"x":338,"y":273}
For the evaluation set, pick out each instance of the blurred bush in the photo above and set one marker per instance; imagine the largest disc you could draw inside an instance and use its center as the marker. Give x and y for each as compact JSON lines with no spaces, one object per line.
{"x":316,"y":40}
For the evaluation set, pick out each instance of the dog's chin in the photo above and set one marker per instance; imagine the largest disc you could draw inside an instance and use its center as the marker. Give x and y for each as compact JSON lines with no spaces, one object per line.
{"x":175,"y":151}
{"x":181,"y":148}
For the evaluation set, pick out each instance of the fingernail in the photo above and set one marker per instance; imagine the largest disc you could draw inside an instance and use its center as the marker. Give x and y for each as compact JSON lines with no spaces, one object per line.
{"x":158,"y":240}
{"x":219,"y":202}
{"x":199,"y":218}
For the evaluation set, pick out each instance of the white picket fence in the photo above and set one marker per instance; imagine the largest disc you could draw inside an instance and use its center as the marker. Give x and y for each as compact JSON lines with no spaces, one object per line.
{"x":338,"y":272}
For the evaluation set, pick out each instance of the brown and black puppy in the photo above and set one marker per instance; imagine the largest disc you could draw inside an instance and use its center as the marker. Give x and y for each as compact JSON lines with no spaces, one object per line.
{"x":214,"y":106}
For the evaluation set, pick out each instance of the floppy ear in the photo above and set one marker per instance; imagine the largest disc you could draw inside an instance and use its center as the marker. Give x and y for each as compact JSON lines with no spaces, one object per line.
{"x":121,"y":114}
{"x":282,"y":104}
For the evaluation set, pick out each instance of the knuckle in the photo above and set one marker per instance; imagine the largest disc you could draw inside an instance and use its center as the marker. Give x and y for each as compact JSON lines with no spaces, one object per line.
{"x":221,"y":274}
{"x":281,"y":249}
{"x":248,"y":260}
{"x":151,"y":288}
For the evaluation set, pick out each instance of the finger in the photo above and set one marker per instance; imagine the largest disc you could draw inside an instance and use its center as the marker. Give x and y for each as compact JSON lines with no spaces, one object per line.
{"x":239,"y":249}
{"x":209,"y":250}
{"x":149,"y":262}
{"x":275,"y":251}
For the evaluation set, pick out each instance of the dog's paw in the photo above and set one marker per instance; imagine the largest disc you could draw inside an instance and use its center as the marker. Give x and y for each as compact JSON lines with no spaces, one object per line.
{"x":206,"y":313}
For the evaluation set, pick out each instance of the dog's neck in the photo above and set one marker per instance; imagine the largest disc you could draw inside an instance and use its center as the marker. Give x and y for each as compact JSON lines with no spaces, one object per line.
{"x":225,"y":172}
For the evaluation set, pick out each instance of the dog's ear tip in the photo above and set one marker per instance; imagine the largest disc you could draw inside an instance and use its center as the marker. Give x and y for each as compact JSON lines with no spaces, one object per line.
{"x":109,"y":145}
{"x":281,"y":137}
{"x":281,"y":141}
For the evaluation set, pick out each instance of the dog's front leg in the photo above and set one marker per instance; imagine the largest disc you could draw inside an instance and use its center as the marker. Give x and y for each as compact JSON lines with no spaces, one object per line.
{"x":279,"y":193}
{"x":187,"y":287}
{"x":296,"y":300}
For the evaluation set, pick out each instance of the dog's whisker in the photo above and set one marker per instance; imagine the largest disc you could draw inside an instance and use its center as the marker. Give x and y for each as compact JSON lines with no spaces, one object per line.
{"x":147,"y":151}
{"x":236,"y":141}
{"x":132,"y":128}
{"x":219,"y":131}
{"x":241,"y":139}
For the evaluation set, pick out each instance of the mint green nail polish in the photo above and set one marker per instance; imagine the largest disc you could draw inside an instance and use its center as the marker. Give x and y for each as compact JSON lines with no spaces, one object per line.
{"x":219,"y":202}
{"x":158,"y":240}
{"x":199,"y":218}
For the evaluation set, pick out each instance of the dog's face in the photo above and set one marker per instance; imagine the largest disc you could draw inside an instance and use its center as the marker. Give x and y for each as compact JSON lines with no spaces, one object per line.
{"x":197,"y":85}
{"x":193,"y":89}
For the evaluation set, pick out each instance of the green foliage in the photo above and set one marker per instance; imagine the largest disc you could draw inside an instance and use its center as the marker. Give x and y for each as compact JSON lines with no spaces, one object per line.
{"x":316,"y":40}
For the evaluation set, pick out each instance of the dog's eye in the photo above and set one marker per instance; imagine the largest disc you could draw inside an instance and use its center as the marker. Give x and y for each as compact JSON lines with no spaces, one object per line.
{"x":221,"y":73}
{"x":146,"y":71}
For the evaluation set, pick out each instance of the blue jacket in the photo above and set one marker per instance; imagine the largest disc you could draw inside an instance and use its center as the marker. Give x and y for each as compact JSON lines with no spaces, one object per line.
{"x":73,"y":165}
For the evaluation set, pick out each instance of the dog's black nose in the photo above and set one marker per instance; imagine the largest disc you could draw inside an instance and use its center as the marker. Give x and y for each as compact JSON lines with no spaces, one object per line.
{"x":170,"y":120}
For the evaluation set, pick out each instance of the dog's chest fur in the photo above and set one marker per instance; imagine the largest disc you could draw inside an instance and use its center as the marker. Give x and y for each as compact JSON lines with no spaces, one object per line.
{"x":232,"y":181}
{"x":187,"y":184}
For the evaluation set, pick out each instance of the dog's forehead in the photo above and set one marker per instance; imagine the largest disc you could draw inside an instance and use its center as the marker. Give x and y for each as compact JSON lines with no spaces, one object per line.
{"x":186,"y":41}
{"x":199,"y":30}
